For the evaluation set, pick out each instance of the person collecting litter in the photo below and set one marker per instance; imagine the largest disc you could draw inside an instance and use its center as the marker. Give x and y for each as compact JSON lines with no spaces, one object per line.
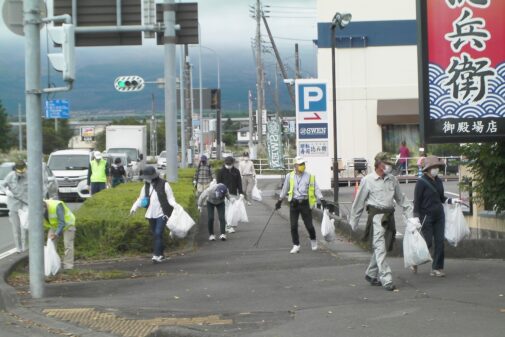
{"x":97,"y":173}
{"x":246,"y":168}
{"x":157,"y":197}
{"x":117,"y":173}
{"x":15,"y":186}
{"x":60,"y":221}
{"x":428,"y":208}
{"x":229,"y":175}
{"x":213,"y":197}
{"x":203,"y":175}
{"x":377,"y":193}
{"x":303,"y":194}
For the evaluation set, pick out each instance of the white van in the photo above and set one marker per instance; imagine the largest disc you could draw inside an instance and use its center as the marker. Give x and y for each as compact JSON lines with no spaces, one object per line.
{"x":70,"y":168}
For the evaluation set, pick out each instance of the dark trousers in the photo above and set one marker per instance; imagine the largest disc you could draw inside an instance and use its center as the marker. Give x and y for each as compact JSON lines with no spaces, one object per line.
{"x":220,"y":213}
{"x":157,"y":229}
{"x":433,"y":232}
{"x":97,"y":187}
{"x":295,"y":209}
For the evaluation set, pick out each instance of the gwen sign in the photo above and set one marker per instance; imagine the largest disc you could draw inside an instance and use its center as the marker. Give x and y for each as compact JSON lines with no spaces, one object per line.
{"x":462,"y":70}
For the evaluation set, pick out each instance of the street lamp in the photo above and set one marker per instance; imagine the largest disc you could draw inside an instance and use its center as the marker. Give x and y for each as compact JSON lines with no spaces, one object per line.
{"x":340,"y":20}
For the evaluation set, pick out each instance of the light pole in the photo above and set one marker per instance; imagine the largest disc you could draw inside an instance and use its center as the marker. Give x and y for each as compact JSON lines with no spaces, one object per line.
{"x":340,"y":20}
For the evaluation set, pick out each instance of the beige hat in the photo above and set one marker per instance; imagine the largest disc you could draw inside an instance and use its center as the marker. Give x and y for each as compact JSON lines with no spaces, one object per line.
{"x":385,"y":157}
{"x":299,"y":161}
{"x":432,"y":161}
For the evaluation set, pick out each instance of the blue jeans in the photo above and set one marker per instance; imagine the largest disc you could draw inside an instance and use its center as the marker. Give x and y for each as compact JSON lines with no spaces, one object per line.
{"x":157,"y":228}
{"x":97,"y":187}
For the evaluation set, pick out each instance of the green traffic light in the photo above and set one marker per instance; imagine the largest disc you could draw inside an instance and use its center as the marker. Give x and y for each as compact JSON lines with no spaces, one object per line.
{"x":122,"y":84}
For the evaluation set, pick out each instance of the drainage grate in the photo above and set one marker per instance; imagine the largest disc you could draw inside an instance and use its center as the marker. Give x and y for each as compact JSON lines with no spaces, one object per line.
{"x":109,"y":322}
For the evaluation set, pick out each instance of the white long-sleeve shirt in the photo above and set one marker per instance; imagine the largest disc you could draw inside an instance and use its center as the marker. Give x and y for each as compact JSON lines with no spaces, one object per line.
{"x":154,"y":210}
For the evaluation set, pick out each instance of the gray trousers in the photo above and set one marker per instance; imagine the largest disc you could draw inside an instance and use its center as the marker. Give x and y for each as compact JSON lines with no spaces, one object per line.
{"x":247,"y":186}
{"x":68,"y":243}
{"x":19,"y":234}
{"x":378,"y":267}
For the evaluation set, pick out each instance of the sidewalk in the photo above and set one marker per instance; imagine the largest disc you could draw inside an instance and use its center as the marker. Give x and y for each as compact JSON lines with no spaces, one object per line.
{"x":232,"y":289}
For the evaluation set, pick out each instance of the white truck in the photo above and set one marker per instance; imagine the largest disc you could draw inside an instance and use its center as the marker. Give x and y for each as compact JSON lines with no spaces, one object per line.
{"x":129,"y":139}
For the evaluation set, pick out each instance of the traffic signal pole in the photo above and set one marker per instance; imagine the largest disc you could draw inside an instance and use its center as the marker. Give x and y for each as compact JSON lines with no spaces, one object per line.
{"x":33,"y":92}
{"x":170,"y":90}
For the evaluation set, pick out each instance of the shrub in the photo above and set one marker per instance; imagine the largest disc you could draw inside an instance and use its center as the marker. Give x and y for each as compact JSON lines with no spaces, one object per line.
{"x":105,"y":229}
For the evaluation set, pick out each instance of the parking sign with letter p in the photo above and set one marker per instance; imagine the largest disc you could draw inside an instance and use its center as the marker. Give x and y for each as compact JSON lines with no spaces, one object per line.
{"x":312,"y":97}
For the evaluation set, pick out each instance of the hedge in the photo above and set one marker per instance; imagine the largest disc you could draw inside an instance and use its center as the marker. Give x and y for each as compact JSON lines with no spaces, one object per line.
{"x":105,"y":229}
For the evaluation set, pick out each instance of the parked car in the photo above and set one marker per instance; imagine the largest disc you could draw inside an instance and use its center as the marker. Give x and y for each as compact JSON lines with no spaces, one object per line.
{"x":161,"y":163}
{"x":52,"y":183}
{"x":71,"y":170}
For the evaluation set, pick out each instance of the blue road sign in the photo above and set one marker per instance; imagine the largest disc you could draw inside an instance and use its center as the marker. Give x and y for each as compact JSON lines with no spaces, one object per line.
{"x":57,"y":108}
{"x":313,"y":131}
{"x":312,"y":97}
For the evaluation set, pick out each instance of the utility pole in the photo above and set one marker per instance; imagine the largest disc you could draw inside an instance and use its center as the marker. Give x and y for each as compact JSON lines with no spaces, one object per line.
{"x":170,"y":90}
{"x":33,"y":92}
{"x":297,"y":60}
{"x":191,"y":136}
{"x":278,"y":57}
{"x":188,"y":104}
{"x":20,"y":129}
{"x":154,"y":141}
{"x":259,"y":73}
{"x":182,"y":102}
{"x":276,"y":95}
{"x":251,"y":129}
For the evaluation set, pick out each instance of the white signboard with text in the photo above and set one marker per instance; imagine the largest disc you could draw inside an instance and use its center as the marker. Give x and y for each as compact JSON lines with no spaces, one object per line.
{"x":313,"y":128}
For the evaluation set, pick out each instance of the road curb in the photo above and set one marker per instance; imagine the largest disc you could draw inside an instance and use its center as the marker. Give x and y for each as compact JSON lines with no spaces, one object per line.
{"x":8,"y":296}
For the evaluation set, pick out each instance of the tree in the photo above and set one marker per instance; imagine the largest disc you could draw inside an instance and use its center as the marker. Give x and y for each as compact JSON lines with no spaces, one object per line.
{"x":5,"y":139}
{"x":53,"y":140}
{"x":487,"y":163}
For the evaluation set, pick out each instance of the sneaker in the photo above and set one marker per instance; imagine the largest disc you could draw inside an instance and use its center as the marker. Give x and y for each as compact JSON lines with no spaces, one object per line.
{"x":230,"y":230}
{"x":249,"y":203}
{"x":158,"y":259}
{"x":153,"y":258}
{"x":413,"y":269}
{"x":295,"y":249}
{"x":222,"y":237}
{"x":437,"y":273}
{"x":390,"y":287}
{"x":373,"y":281}
{"x":212,"y":237}
{"x":313,"y":244}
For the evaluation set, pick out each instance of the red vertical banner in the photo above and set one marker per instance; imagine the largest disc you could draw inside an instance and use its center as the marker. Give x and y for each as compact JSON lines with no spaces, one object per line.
{"x":462,"y":69}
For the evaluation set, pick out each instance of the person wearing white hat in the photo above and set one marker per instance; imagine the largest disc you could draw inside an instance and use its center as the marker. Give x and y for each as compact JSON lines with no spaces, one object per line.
{"x":98,"y":173}
{"x":303,"y":194}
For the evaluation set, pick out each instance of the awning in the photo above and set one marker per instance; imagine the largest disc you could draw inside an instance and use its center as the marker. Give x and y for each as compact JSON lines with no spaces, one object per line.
{"x":398,"y":111}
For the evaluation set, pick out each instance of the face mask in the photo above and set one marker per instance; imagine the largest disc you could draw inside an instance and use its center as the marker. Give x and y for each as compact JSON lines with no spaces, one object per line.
{"x":246,"y":158}
{"x":434,"y":172}
{"x":228,"y":166}
{"x":388,"y":169}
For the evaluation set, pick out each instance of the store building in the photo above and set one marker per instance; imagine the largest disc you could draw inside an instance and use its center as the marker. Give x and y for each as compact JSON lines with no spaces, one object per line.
{"x":376,"y":75}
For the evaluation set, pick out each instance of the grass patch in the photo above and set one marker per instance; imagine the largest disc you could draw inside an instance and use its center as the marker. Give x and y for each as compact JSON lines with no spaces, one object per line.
{"x":105,"y":229}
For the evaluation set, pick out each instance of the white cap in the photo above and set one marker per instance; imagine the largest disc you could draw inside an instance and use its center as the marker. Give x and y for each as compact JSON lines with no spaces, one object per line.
{"x":299,"y":160}
{"x":97,"y":155}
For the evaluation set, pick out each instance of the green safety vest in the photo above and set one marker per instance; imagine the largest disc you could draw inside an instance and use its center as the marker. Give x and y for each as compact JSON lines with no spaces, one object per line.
{"x":312,"y":189}
{"x":98,"y":171}
{"x":53,"y":216}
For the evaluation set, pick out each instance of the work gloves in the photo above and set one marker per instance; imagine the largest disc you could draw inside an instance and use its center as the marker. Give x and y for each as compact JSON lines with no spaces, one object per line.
{"x":456,"y":201}
{"x":278,"y":204}
{"x":9,"y":193}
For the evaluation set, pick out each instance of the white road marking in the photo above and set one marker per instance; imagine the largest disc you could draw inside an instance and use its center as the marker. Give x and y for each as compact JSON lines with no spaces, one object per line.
{"x":7,"y":253}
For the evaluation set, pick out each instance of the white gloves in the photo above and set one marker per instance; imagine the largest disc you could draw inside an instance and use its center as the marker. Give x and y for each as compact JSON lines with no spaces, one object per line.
{"x":456,"y":201}
{"x":133,"y":210}
{"x":413,"y":224}
{"x":9,"y":193}
{"x":199,"y":209}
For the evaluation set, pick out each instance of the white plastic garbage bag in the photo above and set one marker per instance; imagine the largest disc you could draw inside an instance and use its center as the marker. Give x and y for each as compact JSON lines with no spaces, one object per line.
{"x":256,"y":193}
{"x":23,"y":217}
{"x":455,"y":224}
{"x":328,"y":227}
{"x":233,"y":213}
{"x":242,"y":213}
{"x":52,"y":261}
{"x":180,"y":222}
{"x":415,"y":249}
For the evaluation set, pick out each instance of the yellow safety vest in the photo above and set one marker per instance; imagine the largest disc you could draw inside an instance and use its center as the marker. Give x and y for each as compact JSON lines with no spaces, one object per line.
{"x":98,"y":171}
{"x":312,"y":189}
{"x":53,"y":216}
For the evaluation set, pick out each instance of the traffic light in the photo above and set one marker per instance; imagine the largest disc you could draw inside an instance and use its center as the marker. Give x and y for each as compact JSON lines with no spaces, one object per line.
{"x":64,"y":62}
{"x":129,"y":83}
